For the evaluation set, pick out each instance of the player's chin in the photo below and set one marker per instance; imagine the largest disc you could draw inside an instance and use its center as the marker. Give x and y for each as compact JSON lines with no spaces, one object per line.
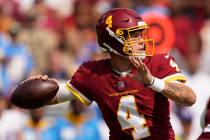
{"x":141,"y":57}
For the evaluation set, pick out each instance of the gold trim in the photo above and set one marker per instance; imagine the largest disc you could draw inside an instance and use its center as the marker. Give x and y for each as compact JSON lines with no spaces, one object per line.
{"x":175,"y":78}
{"x":76,"y":94}
{"x":134,"y":92}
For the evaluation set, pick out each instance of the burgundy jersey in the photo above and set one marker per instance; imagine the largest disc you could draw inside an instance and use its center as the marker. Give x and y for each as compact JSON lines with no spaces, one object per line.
{"x":131,"y":110}
{"x":206,"y":131}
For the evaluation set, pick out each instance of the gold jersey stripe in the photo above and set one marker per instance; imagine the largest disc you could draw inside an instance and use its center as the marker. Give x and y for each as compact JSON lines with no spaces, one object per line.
{"x":77,"y":95}
{"x":176,"y":77}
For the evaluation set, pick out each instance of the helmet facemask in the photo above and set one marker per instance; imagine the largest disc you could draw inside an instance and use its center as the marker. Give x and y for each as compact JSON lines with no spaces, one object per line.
{"x":136,"y":42}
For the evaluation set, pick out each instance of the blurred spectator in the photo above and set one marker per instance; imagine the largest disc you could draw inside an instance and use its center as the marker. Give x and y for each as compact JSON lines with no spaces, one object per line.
{"x":124,"y":4}
{"x":4,"y":42}
{"x":199,"y":80}
{"x":188,"y":19}
{"x":12,"y":120}
{"x":79,"y":33}
{"x":6,"y":21}
{"x":39,"y":41}
{"x":156,"y":6}
{"x":3,"y":106}
{"x":102,"y":6}
{"x":36,"y":128}
{"x":185,"y":117}
{"x":205,"y":37}
{"x":12,"y":9}
{"x":80,"y":123}
{"x":18,"y":64}
{"x":47,"y":18}
{"x":63,"y":8}
{"x":56,"y":65}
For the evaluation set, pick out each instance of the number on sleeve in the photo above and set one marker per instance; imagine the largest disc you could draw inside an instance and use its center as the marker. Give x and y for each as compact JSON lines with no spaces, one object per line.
{"x":109,"y":21}
{"x":129,"y":117}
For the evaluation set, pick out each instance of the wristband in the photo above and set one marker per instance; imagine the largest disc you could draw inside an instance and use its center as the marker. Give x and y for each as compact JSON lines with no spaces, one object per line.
{"x":158,"y":85}
{"x":153,"y":80}
{"x":63,"y":93}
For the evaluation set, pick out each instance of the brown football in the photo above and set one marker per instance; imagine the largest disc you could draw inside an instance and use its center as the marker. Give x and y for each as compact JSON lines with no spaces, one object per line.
{"x":34,"y":93}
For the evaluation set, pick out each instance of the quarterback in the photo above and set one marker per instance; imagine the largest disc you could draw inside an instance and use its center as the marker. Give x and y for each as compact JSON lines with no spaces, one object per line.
{"x":133,"y":87}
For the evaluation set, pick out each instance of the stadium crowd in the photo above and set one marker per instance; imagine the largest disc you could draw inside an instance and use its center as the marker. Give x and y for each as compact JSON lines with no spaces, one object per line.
{"x":54,"y":37}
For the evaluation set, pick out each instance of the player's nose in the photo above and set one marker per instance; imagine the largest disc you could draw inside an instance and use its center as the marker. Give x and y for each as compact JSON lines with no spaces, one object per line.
{"x":138,"y":45}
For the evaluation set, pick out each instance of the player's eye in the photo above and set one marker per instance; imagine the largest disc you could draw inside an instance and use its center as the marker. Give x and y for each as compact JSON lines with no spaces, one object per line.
{"x":135,"y":34}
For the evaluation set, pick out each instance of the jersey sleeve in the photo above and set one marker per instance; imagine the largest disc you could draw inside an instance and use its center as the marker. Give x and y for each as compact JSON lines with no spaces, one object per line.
{"x":78,"y":85}
{"x":168,"y":70}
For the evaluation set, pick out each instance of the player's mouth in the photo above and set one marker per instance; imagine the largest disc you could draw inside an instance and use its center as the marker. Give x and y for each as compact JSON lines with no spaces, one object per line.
{"x":138,"y":47}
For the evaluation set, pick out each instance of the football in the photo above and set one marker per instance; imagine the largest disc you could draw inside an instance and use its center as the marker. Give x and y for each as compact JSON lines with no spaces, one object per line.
{"x":34,"y":93}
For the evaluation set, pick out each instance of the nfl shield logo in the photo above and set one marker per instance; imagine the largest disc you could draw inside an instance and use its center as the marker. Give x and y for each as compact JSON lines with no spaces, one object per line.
{"x":121,"y":85}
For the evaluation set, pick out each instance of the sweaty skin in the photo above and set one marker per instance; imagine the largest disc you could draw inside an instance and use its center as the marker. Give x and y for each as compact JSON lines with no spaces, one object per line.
{"x":179,"y":93}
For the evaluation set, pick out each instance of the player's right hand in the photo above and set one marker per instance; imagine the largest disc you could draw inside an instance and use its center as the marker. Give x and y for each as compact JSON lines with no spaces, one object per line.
{"x":143,"y":73}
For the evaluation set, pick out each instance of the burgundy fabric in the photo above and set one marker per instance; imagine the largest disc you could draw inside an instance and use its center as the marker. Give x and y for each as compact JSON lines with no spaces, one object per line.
{"x":96,"y":81}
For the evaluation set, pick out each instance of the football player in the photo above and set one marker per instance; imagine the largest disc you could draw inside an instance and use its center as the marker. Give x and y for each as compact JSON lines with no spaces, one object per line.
{"x":133,"y":87}
{"x":205,"y":123}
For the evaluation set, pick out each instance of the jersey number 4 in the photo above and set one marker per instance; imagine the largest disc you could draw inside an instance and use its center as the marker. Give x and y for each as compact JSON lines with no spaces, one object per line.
{"x":129,"y":117}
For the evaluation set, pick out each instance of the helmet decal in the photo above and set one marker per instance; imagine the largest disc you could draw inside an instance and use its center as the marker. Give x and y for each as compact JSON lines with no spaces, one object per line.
{"x":109,"y":21}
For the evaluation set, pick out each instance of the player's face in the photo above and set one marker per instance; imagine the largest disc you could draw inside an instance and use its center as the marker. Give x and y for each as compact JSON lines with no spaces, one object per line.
{"x":136,"y":42}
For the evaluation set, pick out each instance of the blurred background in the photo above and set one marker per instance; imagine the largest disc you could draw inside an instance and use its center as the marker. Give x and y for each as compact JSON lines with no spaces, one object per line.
{"x":54,"y":37}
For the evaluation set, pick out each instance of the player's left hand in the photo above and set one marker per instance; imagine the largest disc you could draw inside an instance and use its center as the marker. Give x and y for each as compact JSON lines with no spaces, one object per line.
{"x":143,"y":74}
